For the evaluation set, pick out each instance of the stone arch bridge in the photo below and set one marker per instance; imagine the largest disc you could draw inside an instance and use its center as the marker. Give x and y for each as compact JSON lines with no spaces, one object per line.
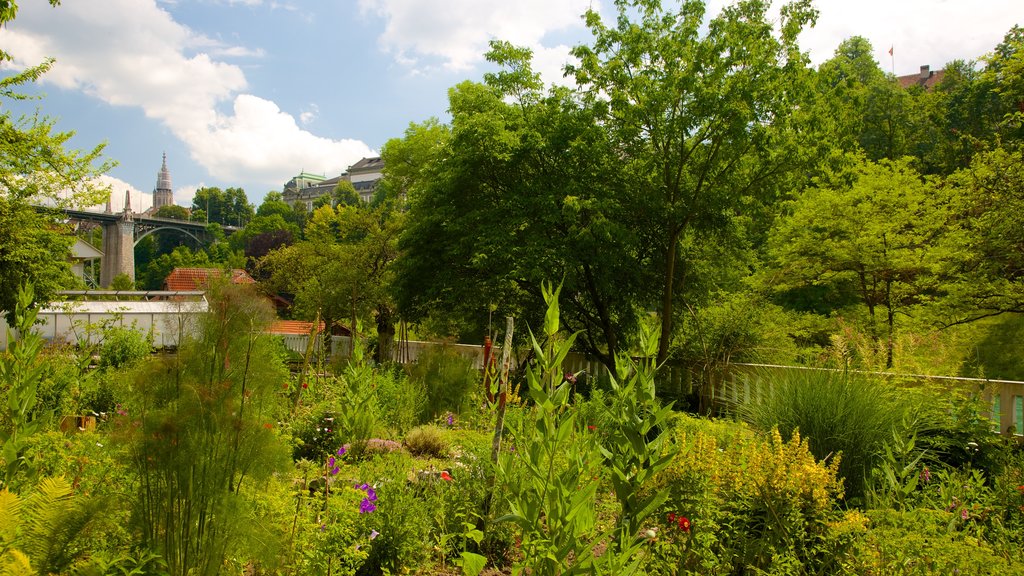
{"x":123,"y":230}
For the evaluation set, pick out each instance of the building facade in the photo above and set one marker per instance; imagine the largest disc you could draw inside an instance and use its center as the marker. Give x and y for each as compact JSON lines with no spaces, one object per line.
{"x":305,"y":189}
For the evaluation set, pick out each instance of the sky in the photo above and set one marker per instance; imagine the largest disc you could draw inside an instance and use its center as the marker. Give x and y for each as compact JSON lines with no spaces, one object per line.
{"x":248,"y":93}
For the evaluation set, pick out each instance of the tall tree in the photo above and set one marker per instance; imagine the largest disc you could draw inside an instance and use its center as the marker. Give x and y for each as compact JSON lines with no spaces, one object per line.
{"x":37,"y":170}
{"x":701,"y":112}
{"x":990,"y":214}
{"x":876,"y":229}
{"x":524,"y":188}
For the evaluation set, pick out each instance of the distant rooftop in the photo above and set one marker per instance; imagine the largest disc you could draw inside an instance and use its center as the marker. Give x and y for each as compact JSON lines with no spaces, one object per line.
{"x":199,"y":278}
{"x":926,"y":78}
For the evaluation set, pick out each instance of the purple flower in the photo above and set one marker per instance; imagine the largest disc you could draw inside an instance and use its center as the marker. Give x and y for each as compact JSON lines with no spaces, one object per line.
{"x":374,"y":534}
{"x":365,"y":507}
{"x":963,"y":513}
{"x":570,"y":377}
{"x":334,"y":471}
{"x":926,"y":475}
{"x":341,"y":451}
{"x":330,"y":461}
{"x":451,"y":418}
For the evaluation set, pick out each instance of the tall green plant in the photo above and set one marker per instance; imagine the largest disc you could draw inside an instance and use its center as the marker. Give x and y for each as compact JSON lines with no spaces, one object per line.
{"x":838,"y":412}
{"x":632,"y":447}
{"x":20,"y":375}
{"x":205,"y":437}
{"x":553,"y":503}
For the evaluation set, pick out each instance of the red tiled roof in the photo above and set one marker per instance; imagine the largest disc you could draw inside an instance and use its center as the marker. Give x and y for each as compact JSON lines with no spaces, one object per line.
{"x":926,"y":79}
{"x":199,"y":278}
{"x":292,"y":327}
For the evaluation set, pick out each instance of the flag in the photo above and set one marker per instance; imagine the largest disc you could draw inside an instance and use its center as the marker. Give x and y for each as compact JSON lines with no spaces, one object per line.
{"x":890,"y":50}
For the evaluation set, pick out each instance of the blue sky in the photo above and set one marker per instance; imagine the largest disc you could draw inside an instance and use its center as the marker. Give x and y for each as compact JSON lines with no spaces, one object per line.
{"x":250,"y":92}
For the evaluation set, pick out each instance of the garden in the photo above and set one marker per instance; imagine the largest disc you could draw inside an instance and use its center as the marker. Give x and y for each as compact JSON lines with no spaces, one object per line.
{"x":218,"y":459}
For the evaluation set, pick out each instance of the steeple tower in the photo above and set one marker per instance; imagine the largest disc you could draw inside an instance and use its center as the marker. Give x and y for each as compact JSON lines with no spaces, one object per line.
{"x":162,"y":194}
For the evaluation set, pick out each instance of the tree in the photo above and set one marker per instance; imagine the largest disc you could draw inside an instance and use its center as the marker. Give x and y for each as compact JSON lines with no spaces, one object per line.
{"x":172,"y":211}
{"x":990,"y":212}
{"x":345,"y":194}
{"x":876,"y":229}
{"x":342,"y":270}
{"x":523,"y":188}
{"x":36,"y":170}
{"x":702,"y":112}
{"x":228,"y":207}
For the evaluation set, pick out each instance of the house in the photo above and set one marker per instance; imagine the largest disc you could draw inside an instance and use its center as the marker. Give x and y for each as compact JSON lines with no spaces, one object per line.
{"x":926,"y":78}
{"x":84,"y":260}
{"x":186,"y":279}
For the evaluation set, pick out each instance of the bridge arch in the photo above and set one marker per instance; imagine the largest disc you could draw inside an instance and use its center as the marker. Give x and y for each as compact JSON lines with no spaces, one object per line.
{"x":199,"y":241}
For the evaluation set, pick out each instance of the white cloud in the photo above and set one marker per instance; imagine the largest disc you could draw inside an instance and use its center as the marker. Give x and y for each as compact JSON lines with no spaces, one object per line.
{"x":455,"y":33}
{"x":932,"y":32}
{"x":309,"y":115}
{"x":132,"y":53}
{"x":118,"y":188}
{"x":923,"y":32}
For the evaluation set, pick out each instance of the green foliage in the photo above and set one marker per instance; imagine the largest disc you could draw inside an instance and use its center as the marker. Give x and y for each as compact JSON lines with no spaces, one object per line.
{"x":632,"y":444}
{"x":206,"y":436}
{"x":553,"y":503}
{"x":754,"y":505}
{"x":20,"y":374}
{"x":921,"y":542}
{"x":839,"y":414}
{"x":402,"y":517}
{"x":401,"y":400}
{"x":123,"y":347}
{"x":229,"y":207}
{"x":35,"y":251}
{"x":39,"y":533}
{"x":428,"y":441}
{"x":876,"y":230}
{"x":701,"y":115}
{"x":446,"y":380}
{"x":122,"y":282}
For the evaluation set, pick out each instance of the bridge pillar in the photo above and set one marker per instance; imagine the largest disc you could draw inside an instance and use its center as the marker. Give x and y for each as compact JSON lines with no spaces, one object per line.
{"x":119,"y":246}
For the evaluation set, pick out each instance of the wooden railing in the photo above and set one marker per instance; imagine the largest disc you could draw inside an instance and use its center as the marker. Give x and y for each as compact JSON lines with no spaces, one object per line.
{"x":722,"y":390}
{"x":742,"y":383}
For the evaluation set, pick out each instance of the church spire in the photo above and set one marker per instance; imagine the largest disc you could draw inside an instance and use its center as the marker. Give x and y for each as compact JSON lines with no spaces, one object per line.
{"x":163,"y":195}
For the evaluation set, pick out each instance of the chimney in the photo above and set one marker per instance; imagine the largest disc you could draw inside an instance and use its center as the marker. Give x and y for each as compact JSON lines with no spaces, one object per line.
{"x":925,"y":72}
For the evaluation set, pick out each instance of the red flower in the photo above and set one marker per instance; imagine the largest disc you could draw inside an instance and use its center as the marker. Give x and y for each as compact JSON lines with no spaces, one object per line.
{"x":305,"y":385}
{"x":446,"y":476}
{"x":671,"y":517}
{"x":684,"y":523}
{"x":591,"y":427}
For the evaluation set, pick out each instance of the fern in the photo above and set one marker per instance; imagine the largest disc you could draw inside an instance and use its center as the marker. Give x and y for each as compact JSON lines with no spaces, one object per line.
{"x":43,"y":528}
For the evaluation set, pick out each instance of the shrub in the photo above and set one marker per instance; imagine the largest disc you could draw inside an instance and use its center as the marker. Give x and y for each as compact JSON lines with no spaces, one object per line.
{"x":123,"y":347}
{"x":836,"y":412}
{"x":427,"y":440}
{"x":205,"y":438}
{"x":401,"y":400}
{"x":447,"y":379}
{"x":920,"y":541}
{"x":755,"y":504}
{"x":401,"y":518}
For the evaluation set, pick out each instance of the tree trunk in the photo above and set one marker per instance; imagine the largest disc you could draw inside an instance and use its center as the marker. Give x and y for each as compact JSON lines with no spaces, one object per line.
{"x":666,"y":297}
{"x":385,"y":335}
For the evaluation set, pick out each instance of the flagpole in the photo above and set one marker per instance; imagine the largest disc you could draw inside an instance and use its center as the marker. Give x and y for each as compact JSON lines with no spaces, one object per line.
{"x":892,"y":59}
